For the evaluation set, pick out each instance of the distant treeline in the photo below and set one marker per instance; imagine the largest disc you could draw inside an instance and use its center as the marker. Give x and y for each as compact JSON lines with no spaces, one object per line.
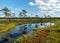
{"x":28,"y":19}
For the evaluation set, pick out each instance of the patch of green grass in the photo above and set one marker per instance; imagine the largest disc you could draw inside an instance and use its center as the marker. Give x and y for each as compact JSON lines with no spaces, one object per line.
{"x":6,"y":27}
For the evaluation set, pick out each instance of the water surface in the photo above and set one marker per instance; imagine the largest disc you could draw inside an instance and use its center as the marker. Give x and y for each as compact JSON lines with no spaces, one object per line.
{"x":18,"y":31}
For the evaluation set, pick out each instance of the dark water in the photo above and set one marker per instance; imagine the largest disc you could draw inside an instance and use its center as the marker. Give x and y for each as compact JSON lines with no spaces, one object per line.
{"x":20,"y":30}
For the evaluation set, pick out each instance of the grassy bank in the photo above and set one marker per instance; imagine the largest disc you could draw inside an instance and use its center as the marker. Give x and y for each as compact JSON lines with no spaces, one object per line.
{"x":38,"y":37}
{"x":6,"y":27}
{"x":45,"y":35}
{"x":48,"y":35}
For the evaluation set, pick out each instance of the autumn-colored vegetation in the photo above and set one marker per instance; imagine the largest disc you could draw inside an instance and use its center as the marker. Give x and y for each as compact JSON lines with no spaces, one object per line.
{"x":41,"y":35}
{"x":36,"y":38}
{"x":45,"y":35}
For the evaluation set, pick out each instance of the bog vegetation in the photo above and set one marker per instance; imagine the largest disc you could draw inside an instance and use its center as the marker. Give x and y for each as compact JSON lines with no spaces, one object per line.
{"x":45,"y":35}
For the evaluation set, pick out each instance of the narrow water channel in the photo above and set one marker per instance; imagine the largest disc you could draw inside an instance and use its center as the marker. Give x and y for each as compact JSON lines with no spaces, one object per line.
{"x":18,"y":31}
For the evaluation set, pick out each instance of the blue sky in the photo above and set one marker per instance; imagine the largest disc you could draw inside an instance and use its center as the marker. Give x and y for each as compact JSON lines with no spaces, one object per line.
{"x":18,"y":5}
{"x":39,"y":7}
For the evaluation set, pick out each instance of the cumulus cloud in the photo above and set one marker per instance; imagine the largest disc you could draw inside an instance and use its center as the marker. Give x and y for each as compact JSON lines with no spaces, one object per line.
{"x":31,"y":3}
{"x":47,"y":6}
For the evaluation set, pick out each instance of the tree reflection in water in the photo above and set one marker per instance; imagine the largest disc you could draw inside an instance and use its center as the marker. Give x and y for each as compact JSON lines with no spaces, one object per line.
{"x":41,"y":24}
{"x":36,"y":25}
{"x":24,"y":29}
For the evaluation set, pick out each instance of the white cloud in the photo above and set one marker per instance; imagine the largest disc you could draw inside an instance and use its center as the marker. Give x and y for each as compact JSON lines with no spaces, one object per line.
{"x":47,"y":6}
{"x":31,"y":3}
